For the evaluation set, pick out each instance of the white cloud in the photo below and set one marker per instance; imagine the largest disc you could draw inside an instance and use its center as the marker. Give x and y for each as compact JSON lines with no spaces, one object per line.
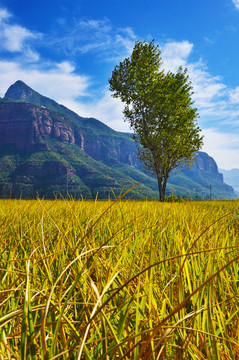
{"x":206,"y":87}
{"x":180,"y":49}
{"x":57,"y":82}
{"x":106,"y":109}
{"x":66,"y":67}
{"x":175,"y":54}
{"x":126,"y":38}
{"x":4,"y":14}
{"x":222,"y":147}
{"x":102,"y":26}
{"x":234,"y":95}
{"x":31,"y":55}
{"x":98,"y":37}
{"x":109,"y":110}
{"x":236,"y":3}
{"x":15,"y":38}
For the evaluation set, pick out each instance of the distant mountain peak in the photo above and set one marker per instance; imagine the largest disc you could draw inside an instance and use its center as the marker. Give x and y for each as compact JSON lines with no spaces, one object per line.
{"x":19,"y":83}
{"x":19,"y":91}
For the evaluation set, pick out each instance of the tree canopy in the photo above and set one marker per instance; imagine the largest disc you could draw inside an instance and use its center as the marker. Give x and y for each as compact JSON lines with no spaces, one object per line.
{"x":158,"y":107}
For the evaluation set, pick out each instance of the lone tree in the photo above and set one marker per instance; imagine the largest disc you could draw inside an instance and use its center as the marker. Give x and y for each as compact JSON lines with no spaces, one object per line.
{"x":158,"y":106}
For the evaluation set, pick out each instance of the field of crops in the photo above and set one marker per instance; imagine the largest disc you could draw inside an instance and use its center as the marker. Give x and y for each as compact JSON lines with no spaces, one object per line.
{"x":119,"y":280}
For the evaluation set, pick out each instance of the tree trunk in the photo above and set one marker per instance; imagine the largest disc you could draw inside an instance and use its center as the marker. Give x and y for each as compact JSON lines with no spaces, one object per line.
{"x":162,"y":187}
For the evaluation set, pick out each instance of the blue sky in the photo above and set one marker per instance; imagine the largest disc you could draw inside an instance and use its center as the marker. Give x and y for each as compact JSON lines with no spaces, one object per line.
{"x":67,"y":49}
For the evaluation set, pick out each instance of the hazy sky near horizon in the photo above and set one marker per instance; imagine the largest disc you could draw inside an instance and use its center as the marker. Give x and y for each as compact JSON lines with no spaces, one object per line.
{"x":67,"y":49}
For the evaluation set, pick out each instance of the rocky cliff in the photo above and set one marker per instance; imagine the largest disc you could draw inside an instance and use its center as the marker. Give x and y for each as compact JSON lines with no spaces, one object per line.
{"x":27,"y":127}
{"x":24,"y":127}
{"x":206,"y":163}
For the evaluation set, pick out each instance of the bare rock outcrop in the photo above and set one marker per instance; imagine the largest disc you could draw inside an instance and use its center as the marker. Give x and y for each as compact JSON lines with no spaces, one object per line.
{"x":25,"y":127}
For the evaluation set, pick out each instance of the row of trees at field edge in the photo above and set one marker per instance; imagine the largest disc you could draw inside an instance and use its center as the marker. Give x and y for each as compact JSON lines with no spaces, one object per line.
{"x":158,"y":106}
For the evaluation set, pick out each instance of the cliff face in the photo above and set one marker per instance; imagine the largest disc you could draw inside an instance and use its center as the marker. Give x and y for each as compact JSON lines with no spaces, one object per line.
{"x":107,"y":147}
{"x":207,"y":163}
{"x":26,"y":127}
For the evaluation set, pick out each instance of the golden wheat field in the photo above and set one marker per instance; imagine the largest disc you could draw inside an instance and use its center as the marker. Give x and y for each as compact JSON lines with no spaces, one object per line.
{"x":119,"y":280}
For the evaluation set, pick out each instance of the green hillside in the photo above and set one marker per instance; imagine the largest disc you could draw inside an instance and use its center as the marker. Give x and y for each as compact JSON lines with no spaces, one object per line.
{"x":49,"y":174}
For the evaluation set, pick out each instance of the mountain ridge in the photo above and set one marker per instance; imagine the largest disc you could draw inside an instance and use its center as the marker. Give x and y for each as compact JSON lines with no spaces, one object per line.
{"x":83,"y":152}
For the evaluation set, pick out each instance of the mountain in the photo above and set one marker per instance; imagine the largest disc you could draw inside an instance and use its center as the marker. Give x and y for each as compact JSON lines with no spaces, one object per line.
{"x":203,"y":179}
{"x":47,"y":149}
{"x":44,"y":152}
{"x":232,"y":178}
